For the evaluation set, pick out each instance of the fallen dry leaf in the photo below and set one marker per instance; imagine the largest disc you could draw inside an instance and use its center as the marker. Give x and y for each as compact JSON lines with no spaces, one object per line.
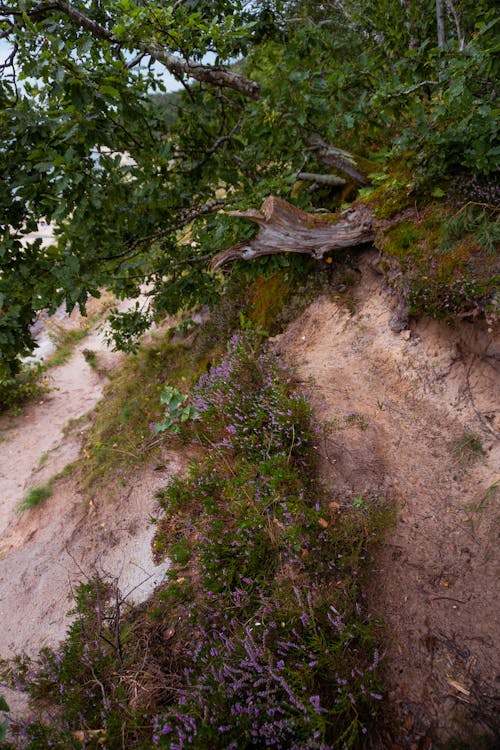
{"x":323,"y":523}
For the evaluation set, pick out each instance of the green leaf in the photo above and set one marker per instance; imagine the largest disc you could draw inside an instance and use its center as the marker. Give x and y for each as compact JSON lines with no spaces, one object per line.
{"x":108,"y":90}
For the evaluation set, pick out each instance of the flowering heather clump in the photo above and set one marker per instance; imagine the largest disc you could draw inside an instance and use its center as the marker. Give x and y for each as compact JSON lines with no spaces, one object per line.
{"x":257,"y":421}
{"x":283,"y":655}
{"x":261,"y":639}
{"x":474,"y":189}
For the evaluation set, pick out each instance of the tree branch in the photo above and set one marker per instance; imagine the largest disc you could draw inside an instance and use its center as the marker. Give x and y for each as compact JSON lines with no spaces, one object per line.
{"x":214,"y":75}
{"x":336,"y":158}
{"x":321,"y":179}
{"x":460,"y":36}
{"x":185,"y":218}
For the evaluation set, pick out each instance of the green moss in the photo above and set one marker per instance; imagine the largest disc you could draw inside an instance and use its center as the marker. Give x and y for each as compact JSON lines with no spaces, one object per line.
{"x":268,"y":296}
{"x":400,"y":241}
{"x":389,"y":193}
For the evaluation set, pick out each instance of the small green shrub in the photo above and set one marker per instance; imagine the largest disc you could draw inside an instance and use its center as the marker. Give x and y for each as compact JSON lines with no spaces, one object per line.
{"x":177,"y":410}
{"x":27,"y":385}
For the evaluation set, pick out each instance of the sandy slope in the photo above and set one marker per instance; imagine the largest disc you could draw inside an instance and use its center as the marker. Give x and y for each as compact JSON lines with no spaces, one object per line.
{"x":411,"y":397}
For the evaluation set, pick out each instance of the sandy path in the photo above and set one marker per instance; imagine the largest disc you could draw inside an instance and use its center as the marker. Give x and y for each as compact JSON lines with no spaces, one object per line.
{"x":37,"y":435}
{"x":398,"y":404}
{"x":75,"y":389}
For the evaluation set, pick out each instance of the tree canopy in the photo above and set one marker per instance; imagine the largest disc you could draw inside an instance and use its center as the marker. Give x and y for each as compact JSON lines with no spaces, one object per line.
{"x":89,"y":142}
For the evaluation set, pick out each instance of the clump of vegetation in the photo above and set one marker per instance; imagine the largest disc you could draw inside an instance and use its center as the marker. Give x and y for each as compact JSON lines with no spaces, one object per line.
{"x":468,"y":448}
{"x":446,"y":261}
{"x":261,"y":637}
{"x":120,"y":433}
{"x":65,"y":340}
{"x":26,"y":385}
{"x":90,"y":358}
{"x":35,"y":496}
{"x":177,"y":410}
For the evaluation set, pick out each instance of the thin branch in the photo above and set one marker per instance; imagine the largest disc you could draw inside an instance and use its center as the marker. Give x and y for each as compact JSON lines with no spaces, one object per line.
{"x":186,"y":218}
{"x":336,"y":158}
{"x":414,"y":88}
{"x":136,"y":61}
{"x":321,"y":179}
{"x":440,"y":23}
{"x":460,"y":36}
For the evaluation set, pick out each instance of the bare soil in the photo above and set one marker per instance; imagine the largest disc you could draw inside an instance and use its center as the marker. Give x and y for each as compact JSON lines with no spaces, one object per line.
{"x":403,"y":413}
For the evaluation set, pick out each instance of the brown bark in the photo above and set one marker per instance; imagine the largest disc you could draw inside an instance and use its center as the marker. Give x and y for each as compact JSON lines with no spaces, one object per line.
{"x":283,"y":228}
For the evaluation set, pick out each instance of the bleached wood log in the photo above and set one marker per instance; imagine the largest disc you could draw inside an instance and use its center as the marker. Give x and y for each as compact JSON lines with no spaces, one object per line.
{"x":284,"y":228}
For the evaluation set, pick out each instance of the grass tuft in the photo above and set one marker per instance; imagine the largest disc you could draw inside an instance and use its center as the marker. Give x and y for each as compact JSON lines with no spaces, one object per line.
{"x":468,"y":448}
{"x":66,"y":339}
{"x":35,"y":496}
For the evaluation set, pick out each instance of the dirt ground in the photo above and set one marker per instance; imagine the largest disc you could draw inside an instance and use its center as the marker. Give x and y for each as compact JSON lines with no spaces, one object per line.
{"x":414,"y":417}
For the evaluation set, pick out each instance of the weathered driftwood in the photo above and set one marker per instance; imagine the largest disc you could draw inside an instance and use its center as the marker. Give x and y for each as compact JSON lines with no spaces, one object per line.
{"x":283,"y":228}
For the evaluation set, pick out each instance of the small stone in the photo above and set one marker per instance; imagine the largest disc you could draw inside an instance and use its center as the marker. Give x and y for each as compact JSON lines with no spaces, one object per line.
{"x":406,"y":335}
